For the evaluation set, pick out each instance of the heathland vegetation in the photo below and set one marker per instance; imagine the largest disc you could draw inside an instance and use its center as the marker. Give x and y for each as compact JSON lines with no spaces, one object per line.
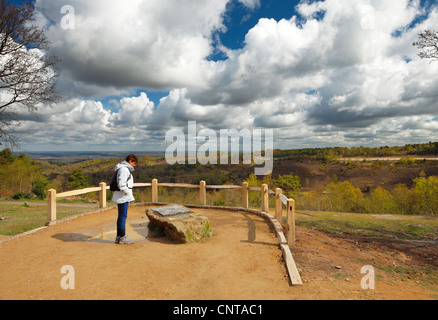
{"x":319,"y":179}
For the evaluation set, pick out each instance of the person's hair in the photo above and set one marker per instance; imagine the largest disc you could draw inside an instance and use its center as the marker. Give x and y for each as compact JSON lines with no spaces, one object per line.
{"x":132,"y":157}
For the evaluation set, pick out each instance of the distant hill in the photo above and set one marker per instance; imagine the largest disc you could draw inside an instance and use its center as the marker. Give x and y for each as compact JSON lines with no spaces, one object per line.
{"x":316,"y":167}
{"x":325,"y":179}
{"x":366,"y":175}
{"x":78,"y":156}
{"x":314,"y":174}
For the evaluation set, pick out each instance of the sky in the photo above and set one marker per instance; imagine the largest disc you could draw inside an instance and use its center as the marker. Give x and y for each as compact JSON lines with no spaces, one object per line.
{"x":318,"y":73}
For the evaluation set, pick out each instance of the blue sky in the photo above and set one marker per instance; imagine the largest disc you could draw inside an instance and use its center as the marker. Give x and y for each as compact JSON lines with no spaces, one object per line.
{"x":319,"y":73}
{"x":239,"y":19}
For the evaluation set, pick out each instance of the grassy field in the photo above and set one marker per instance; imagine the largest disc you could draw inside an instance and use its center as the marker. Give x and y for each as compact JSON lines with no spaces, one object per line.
{"x":415,"y":236}
{"x":371,"y":225}
{"x":20,"y":217}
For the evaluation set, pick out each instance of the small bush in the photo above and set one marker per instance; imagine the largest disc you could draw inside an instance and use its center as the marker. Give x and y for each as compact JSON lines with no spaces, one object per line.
{"x":219,"y":203}
{"x":21,"y":195}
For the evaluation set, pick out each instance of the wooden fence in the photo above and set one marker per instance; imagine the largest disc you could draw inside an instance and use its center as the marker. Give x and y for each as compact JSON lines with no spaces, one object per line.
{"x":280,"y":199}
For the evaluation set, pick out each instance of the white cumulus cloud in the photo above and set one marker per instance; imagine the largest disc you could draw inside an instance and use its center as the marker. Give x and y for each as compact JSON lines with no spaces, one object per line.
{"x":338,"y":72}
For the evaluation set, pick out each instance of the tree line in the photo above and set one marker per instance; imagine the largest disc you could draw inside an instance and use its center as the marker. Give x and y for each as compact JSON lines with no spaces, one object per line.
{"x":23,"y":178}
{"x":332,"y":153}
{"x":420,"y":199}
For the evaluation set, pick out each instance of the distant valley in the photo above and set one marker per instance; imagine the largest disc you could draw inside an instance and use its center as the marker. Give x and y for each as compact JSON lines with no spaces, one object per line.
{"x":79,"y":156}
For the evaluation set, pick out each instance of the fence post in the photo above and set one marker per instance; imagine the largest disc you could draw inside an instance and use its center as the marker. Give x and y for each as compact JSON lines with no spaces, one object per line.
{"x":278,"y":205}
{"x":154,"y":190}
{"x":202,"y":193}
{"x":265,"y":198}
{"x":102,"y":195}
{"x":51,"y":206}
{"x":245,"y":195}
{"x":291,"y":222}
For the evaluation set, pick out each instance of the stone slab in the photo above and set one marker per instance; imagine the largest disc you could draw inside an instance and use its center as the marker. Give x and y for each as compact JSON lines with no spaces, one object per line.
{"x":171,"y":211}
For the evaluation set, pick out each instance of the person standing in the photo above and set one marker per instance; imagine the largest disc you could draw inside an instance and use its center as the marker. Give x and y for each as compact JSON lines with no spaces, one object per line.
{"x":125,"y":183}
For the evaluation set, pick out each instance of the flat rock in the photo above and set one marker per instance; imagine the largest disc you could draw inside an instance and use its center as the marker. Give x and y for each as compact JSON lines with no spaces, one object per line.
{"x":171,"y":211}
{"x":180,"y":223}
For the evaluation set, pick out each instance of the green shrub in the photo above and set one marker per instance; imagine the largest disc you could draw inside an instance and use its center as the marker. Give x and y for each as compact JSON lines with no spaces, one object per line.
{"x":21,"y":195}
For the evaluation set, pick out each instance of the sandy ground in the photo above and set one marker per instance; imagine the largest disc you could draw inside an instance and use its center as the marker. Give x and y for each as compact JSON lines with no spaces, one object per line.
{"x":242,"y":261}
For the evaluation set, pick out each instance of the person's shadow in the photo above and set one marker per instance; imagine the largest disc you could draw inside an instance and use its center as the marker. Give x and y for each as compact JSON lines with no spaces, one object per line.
{"x":78,"y":237}
{"x":136,"y":229}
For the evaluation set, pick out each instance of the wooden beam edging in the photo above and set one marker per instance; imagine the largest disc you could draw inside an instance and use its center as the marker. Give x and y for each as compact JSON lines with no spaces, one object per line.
{"x":292,"y":270}
{"x":294,"y":275}
{"x":291,"y":266}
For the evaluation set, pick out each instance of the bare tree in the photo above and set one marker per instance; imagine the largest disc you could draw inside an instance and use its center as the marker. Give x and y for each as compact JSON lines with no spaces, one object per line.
{"x":26,"y":72}
{"x":428,"y":44}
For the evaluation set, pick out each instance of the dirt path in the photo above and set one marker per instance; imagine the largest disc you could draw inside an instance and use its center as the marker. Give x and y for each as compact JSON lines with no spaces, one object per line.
{"x":241,"y":261}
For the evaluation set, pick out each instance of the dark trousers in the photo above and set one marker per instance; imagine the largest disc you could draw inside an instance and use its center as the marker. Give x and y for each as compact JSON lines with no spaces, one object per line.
{"x":121,"y":219}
